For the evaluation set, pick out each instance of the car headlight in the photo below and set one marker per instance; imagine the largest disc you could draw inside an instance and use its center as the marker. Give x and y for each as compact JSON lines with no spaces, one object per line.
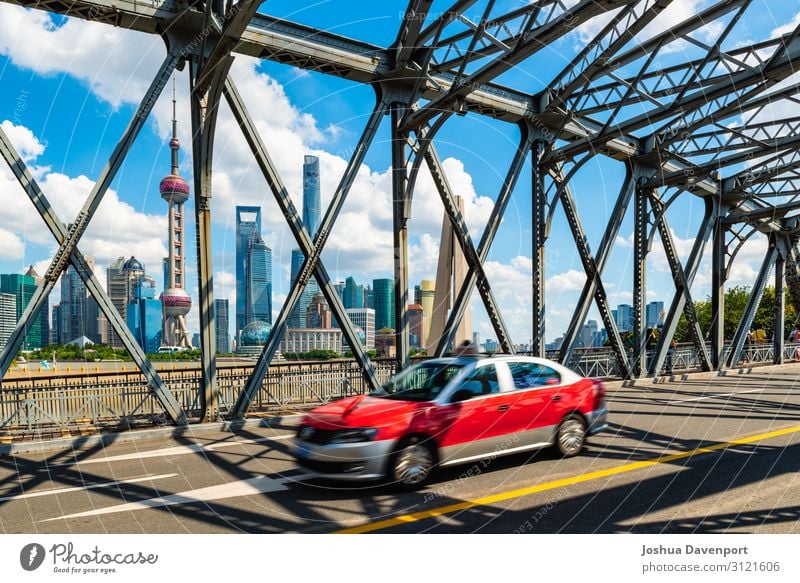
{"x":354,"y":435}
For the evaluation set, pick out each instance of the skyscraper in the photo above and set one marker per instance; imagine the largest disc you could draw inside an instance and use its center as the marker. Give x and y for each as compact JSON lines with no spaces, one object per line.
{"x":311,"y":218}
{"x":416,"y":322}
{"x":311,"y":194}
{"x":144,"y":315}
{"x":175,"y":302}
{"x":79,"y":311}
{"x":8,"y":317}
{"x":222,"y":326}
{"x":383,"y":301}
{"x":248,"y":221}
{"x":23,"y":288}
{"x":653,"y":314}
{"x":353,"y":294}
{"x":258,"y":280}
{"x":121,"y":277}
{"x":44,"y":314}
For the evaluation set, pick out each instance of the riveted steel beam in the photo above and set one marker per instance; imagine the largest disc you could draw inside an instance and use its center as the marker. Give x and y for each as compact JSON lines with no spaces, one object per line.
{"x":683,"y":277}
{"x":490,"y":230}
{"x":311,"y":249}
{"x":59,"y":231}
{"x":746,"y":321}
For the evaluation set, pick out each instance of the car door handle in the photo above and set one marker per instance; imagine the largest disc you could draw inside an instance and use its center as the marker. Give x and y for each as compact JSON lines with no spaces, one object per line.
{"x":555,"y":398}
{"x":504,"y":407}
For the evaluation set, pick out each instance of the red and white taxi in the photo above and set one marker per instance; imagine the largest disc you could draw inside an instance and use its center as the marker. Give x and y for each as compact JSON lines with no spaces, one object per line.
{"x":449,"y":411}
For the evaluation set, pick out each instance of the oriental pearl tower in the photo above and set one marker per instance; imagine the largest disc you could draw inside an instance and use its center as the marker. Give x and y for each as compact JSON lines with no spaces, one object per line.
{"x":175,"y":302}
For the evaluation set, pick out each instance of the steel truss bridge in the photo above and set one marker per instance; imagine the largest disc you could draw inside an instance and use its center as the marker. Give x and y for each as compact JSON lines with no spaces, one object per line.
{"x":705,"y":127}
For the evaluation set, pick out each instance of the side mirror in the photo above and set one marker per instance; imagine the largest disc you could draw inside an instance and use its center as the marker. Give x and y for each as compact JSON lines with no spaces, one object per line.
{"x":551,"y":382}
{"x":461,"y":395}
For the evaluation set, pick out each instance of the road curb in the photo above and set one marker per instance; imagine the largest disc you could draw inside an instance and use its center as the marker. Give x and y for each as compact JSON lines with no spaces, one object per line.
{"x":136,"y":435}
{"x":734,"y":372}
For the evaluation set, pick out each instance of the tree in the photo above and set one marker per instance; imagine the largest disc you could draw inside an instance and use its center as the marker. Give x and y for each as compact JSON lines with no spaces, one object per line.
{"x":735,"y":301}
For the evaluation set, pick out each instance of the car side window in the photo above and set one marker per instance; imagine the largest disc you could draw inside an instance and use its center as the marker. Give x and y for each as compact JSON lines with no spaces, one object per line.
{"x":529,"y":374}
{"x":483,"y":381}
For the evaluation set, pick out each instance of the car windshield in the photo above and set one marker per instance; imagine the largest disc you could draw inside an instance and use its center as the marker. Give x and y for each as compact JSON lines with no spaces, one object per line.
{"x":422,"y":382}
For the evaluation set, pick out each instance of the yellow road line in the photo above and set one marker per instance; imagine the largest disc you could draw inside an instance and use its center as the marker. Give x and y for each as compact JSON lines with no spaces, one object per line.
{"x":502,"y":496}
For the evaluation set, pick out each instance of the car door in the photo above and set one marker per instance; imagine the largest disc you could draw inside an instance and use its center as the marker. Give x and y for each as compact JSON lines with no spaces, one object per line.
{"x":472,"y":427}
{"x":538,"y":402}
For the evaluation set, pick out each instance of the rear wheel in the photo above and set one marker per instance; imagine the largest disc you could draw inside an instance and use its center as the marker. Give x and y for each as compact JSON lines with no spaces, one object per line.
{"x":571,"y":436}
{"x":411,"y":464}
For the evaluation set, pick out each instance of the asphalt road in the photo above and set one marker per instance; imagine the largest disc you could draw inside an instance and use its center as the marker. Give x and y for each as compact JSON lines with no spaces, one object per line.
{"x":717,"y":455}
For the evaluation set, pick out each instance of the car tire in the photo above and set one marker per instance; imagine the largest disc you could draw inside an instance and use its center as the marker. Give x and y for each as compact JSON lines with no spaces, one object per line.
{"x":411,"y":464}
{"x":570,"y":436}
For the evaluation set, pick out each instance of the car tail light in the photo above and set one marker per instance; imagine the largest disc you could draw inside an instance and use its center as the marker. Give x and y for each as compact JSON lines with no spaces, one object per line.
{"x":599,"y":393}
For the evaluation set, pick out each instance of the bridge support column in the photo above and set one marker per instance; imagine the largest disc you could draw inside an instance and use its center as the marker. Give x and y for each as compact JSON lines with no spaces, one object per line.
{"x":539,"y":236}
{"x":779,"y":309}
{"x":640,"y":249}
{"x":719,"y":275}
{"x":401,"y":207}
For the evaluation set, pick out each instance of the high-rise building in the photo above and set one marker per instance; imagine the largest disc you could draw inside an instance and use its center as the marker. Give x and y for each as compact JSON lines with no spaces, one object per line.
{"x":368,"y":303}
{"x":653,"y":314}
{"x":383,"y":302}
{"x":353,"y":294}
{"x":258,"y":279}
{"x":253,"y":270}
{"x":23,"y":287}
{"x":625,"y":317}
{"x":311,"y":194}
{"x":311,"y":218}
{"x":79,"y":314}
{"x":44,"y":314}
{"x":339,"y":287}
{"x":175,"y":301}
{"x":144,"y":315}
{"x":587,"y":335}
{"x":318,"y":315}
{"x":121,"y":277}
{"x":8,"y":317}
{"x":364,"y":318}
{"x":222,"y":326}
{"x":416,"y":325}
{"x":423,"y":295}
{"x":55,"y":324}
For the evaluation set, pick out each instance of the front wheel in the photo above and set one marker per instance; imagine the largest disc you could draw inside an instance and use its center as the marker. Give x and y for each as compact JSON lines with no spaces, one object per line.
{"x":571,"y":436}
{"x":411,"y":464}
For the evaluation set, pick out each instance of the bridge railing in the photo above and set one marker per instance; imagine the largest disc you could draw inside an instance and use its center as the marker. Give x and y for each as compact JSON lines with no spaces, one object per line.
{"x":122,"y":399}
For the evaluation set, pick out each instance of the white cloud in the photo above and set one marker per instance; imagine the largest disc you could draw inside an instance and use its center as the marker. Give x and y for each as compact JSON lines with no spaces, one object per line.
{"x":11,"y":246}
{"x":569,"y":281}
{"x":97,"y":54}
{"x":786,"y":28}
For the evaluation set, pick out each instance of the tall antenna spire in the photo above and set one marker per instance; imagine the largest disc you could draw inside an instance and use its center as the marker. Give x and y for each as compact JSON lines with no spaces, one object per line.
{"x":174,"y":144}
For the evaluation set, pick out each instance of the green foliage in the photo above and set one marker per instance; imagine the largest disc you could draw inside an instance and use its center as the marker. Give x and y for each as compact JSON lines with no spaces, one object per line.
{"x":312,"y":355}
{"x":735,"y":302}
{"x":72,"y":352}
{"x":193,"y":354}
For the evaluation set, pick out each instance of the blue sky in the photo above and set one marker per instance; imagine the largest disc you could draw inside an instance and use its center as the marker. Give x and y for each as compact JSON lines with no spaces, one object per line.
{"x":67,"y":98}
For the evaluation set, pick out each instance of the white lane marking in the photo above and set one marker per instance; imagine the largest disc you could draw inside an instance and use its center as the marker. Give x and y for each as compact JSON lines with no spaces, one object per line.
{"x":173,"y":451}
{"x":250,"y":487}
{"x":87,"y":487}
{"x":718,"y":395}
